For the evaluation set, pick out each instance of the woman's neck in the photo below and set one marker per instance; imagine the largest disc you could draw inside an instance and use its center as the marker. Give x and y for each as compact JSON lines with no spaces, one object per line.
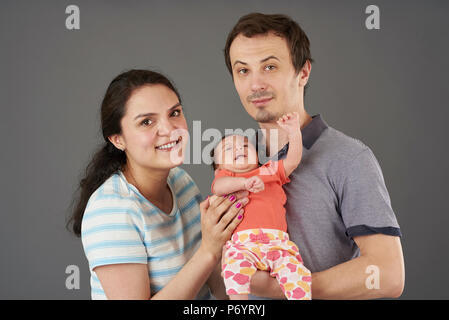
{"x":152,"y":184}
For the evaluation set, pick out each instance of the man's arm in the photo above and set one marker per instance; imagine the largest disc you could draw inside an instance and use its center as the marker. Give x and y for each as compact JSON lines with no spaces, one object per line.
{"x":349,"y":280}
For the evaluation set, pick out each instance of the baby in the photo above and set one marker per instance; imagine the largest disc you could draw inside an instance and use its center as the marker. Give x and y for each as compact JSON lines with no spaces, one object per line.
{"x":261,"y":240}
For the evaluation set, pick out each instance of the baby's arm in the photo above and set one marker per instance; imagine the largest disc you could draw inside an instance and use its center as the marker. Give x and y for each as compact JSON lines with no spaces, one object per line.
{"x":290,"y":123}
{"x":227,"y":185}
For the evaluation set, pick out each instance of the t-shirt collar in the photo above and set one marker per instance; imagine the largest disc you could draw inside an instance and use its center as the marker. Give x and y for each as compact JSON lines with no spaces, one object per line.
{"x":310,"y":134}
{"x":313,"y":131}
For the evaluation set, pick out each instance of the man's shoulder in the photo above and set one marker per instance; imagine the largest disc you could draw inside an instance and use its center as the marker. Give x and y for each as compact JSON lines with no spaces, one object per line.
{"x":338,"y":146}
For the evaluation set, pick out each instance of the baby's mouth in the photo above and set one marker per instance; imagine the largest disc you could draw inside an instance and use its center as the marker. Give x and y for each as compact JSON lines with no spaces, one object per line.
{"x":242,"y":156}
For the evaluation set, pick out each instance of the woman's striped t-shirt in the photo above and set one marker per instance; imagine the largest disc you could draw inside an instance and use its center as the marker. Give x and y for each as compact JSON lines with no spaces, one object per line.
{"x":121,"y":226}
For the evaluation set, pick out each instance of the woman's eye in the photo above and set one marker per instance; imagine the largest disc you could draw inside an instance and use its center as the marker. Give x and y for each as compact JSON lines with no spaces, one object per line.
{"x":270,"y":67}
{"x":146,"y":122}
{"x":243,"y":71}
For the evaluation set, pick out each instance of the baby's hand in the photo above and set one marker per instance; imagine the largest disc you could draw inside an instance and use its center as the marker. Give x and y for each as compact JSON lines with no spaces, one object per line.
{"x":290,"y":123}
{"x":254,"y":184}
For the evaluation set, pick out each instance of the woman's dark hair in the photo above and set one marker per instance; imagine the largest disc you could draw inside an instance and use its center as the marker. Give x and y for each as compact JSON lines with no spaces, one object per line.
{"x":108,"y":159}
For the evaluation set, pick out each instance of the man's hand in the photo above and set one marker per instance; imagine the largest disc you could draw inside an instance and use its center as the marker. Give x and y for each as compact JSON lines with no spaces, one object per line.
{"x":254,"y":184}
{"x":290,"y":123}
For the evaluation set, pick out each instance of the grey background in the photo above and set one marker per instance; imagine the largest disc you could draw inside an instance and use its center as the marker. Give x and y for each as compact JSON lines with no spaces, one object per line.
{"x":386,"y":87}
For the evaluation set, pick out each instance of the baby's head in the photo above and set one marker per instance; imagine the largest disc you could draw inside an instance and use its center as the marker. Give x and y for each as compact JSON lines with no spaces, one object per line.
{"x":235,"y":153}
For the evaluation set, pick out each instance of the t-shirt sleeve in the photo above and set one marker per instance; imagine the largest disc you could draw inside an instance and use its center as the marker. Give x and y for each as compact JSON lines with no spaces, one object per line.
{"x":111,"y":233}
{"x":364,"y":200}
{"x":281,"y":172}
{"x":273,"y":169}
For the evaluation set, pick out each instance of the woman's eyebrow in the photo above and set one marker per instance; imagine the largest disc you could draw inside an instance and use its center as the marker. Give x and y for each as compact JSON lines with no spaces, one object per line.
{"x":152,"y":113}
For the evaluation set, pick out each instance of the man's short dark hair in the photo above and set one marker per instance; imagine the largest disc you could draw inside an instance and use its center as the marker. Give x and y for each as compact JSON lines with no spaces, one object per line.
{"x":258,"y":23}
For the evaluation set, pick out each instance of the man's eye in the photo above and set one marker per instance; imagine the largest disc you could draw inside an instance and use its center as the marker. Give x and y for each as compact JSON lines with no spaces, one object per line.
{"x":270,"y":67}
{"x":176,"y":113}
{"x":243,"y":71}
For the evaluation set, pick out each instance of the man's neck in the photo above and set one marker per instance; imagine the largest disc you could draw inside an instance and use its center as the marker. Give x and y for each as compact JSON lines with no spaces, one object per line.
{"x":275,"y":143}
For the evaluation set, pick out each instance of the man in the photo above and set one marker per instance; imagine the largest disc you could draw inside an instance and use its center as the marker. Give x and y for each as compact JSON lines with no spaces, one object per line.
{"x":338,"y":208}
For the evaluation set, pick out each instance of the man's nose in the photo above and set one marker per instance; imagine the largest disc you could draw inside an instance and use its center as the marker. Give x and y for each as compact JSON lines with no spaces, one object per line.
{"x":258,"y":82}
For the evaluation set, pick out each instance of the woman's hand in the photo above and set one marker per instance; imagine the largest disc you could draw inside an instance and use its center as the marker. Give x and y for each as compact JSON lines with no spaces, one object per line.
{"x":219,"y":217}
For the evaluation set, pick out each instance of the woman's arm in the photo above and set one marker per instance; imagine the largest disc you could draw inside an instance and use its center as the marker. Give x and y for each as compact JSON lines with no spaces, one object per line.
{"x":131,"y":280}
{"x":219,"y":217}
{"x":216,"y":284}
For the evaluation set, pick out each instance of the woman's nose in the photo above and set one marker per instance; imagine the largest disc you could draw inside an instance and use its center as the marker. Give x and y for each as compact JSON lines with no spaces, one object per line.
{"x":165,"y":127}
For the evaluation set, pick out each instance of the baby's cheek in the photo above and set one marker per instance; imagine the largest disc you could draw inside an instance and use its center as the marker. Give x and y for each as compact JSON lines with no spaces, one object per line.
{"x":252,"y":157}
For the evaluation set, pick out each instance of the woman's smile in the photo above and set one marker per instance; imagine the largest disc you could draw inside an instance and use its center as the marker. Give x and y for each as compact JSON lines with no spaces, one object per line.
{"x":166,"y":147}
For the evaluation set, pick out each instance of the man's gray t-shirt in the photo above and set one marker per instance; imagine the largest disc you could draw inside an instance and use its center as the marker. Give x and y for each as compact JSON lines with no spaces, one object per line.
{"x":336,"y":193}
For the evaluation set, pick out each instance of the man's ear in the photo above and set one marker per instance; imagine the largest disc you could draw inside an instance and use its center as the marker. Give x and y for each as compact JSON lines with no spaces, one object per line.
{"x":304,"y":74}
{"x":117,"y":141}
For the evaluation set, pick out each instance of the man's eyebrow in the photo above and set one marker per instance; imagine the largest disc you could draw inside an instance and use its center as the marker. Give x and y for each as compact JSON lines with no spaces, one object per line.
{"x":152,"y":114}
{"x":270,"y":57}
{"x":238,"y":61}
{"x":261,"y":61}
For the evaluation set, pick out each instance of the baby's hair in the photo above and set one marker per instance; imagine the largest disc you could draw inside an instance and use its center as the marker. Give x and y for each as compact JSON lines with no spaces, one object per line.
{"x":212,"y":152}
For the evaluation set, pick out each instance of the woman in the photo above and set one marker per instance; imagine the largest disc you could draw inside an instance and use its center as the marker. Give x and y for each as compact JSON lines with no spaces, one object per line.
{"x":144,"y":232}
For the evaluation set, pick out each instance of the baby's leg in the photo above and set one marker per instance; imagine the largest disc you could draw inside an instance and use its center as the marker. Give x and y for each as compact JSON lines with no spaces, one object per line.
{"x":293,"y":277}
{"x":237,"y":272}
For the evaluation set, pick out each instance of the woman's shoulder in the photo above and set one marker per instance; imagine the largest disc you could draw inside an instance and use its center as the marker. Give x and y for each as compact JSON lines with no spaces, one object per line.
{"x":114,"y":192}
{"x":112,"y":206}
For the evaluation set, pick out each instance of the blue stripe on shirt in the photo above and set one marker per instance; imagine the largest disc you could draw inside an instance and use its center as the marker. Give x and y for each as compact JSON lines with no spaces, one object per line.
{"x":177,"y":235}
{"x":177,"y":252}
{"x":110,"y":227}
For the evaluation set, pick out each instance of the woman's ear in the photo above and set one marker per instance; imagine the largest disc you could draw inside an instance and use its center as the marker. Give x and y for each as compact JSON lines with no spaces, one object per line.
{"x":117,"y":141}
